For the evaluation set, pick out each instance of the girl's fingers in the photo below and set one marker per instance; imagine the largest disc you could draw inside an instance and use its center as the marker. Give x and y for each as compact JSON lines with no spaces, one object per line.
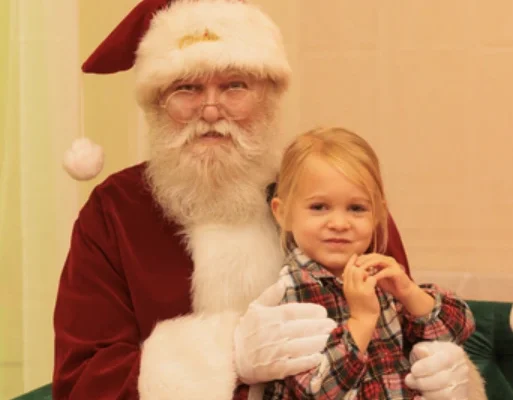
{"x":361,"y":276}
{"x":384,"y":273}
{"x":354,"y":277}
{"x":371,"y":282}
{"x":346,"y":273}
{"x":348,"y":277}
{"x":352,"y":260}
{"x":373,"y":262}
{"x":372,"y":267}
{"x":366,"y":257}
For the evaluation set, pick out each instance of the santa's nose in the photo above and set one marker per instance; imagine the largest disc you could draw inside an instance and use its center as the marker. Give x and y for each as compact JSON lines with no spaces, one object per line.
{"x":210,"y":112}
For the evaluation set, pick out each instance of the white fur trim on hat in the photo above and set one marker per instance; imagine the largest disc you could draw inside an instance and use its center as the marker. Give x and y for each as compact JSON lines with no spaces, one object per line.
{"x":191,"y":37}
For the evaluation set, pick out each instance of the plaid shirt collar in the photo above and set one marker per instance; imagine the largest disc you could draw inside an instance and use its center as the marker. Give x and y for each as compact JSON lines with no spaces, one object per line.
{"x":301,"y":260}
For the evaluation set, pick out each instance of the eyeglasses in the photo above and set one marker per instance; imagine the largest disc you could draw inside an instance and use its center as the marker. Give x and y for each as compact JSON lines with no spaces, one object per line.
{"x":235,"y":102}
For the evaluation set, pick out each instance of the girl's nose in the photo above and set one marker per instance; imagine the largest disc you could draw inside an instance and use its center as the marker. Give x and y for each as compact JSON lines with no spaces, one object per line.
{"x":339,"y":221}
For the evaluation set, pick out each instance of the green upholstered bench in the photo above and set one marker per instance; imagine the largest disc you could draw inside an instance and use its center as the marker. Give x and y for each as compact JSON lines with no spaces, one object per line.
{"x":42,"y":393}
{"x":490,"y":348}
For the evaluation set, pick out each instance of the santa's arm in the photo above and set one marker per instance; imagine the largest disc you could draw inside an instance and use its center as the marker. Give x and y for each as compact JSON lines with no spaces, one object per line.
{"x":190,"y":357}
{"x":97,"y":342}
{"x":443,"y":371}
{"x":476,"y":383}
{"x":199,"y":357}
{"x":436,"y":376}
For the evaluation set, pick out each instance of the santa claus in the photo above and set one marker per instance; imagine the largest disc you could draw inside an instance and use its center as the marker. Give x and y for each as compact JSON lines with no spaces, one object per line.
{"x":167,"y":291}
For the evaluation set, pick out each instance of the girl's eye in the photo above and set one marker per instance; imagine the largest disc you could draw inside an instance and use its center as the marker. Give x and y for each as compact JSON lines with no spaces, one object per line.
{"x":318,"y":206}
{"x":358,"y":208}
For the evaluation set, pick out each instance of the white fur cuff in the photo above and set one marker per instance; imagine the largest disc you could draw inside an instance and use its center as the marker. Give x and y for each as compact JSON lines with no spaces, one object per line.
{"x":189,"y":358}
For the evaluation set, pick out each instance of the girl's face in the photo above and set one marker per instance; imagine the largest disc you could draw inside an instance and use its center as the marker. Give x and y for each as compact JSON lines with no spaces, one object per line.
{"x":330,"y":217}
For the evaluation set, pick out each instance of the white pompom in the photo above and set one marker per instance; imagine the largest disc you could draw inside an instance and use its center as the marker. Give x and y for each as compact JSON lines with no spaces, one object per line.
{"x":84,"y":160}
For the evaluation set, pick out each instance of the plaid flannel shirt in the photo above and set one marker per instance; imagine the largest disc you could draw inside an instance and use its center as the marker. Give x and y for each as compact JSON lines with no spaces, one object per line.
{"x":379,"y":373}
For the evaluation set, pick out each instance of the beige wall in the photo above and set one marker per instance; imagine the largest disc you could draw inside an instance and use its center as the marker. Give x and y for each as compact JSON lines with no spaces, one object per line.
{"x":430,"y":85}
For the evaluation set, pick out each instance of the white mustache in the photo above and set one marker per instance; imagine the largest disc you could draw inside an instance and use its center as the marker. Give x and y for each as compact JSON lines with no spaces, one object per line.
{"x":199,"y":128}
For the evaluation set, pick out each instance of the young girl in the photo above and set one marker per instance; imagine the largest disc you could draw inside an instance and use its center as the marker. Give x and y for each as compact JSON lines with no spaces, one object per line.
{"x":331,"y":208}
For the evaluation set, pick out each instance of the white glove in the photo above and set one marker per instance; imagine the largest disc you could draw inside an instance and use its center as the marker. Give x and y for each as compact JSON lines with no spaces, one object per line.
{"x":439,"y":371}
{"x":274,"y":341}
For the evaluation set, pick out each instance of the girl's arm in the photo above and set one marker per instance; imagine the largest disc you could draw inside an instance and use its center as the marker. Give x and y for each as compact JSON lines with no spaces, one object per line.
{"x":342,"y":367}
{"x":343,"y":363}
{"x":450,"y":318}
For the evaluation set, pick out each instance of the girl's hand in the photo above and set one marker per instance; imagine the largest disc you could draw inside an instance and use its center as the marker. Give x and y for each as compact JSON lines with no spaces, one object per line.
{"x":389,"y":274}
{"x":360,"y":293}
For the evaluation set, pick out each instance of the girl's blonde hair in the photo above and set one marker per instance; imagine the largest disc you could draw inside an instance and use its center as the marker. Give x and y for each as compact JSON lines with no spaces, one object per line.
{"x":352,"y":156}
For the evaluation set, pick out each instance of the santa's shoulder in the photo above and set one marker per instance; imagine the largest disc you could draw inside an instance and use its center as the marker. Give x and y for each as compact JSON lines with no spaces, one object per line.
{"x":125,"y":187}
{"x":126,"y":196}
{"x":130,"y":179}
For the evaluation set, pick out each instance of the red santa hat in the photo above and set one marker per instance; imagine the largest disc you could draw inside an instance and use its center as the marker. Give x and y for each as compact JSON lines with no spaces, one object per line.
{"x":165,"y":40}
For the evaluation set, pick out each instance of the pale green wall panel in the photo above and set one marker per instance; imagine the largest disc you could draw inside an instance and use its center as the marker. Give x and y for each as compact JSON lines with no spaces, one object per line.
{"x":11,"y":347}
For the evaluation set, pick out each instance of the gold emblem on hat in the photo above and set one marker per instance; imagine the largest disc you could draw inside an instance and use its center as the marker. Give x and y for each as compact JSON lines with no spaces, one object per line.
{"x":189,"y":40}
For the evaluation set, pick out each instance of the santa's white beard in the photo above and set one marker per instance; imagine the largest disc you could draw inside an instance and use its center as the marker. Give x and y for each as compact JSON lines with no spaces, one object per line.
{"x":222,"y":182}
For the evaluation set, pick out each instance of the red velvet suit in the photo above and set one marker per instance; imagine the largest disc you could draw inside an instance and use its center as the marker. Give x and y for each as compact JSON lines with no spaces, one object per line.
{"x":126,"y":270}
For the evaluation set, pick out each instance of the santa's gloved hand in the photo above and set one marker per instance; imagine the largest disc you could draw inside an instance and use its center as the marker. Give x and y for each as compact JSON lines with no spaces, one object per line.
{"x":439,"y":371}
{"x":274,"y":341}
